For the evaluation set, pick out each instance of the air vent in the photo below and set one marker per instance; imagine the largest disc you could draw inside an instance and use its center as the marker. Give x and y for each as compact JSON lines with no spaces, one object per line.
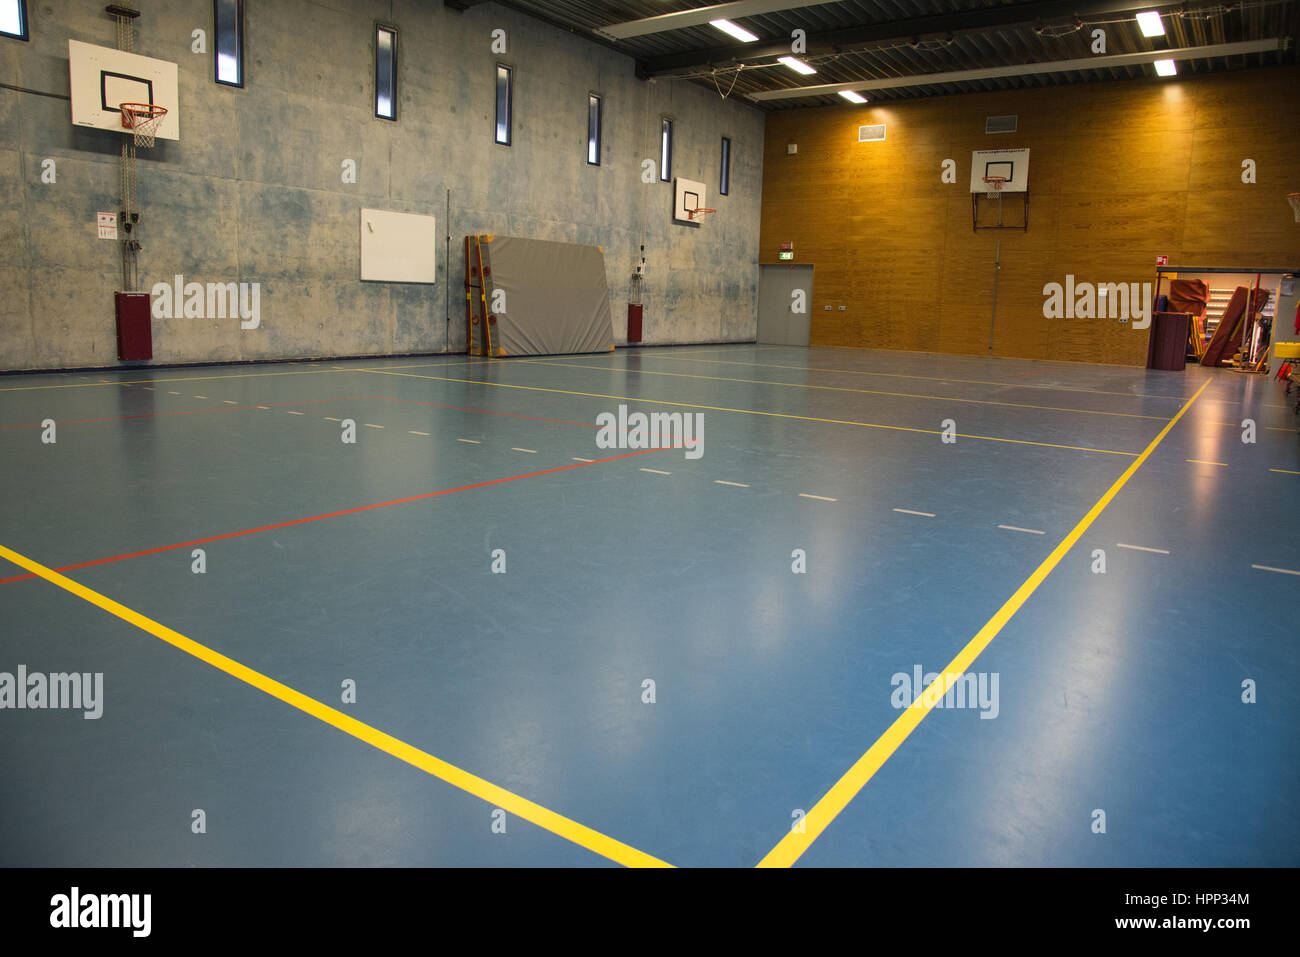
{"x":1001,"y":124}
{"x":869,"y":134}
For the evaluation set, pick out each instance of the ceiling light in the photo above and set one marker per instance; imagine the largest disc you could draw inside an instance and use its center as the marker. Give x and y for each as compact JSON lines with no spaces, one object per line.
{"x":1150,"y":24}
{"x":852,"y":96}
{"x":1166,"y":68}
{"x":740,"y":33}
{"x":797,"y":65}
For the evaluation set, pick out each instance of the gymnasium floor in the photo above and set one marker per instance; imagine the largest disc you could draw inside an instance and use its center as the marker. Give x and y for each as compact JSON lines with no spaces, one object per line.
{"x":325,"y":561}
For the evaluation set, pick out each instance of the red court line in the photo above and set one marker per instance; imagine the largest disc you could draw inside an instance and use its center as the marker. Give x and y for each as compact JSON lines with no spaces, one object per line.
{"x":317,"y":518}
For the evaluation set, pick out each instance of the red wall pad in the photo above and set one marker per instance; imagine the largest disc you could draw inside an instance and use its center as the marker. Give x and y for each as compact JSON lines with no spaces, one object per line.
{"x":134,"y":331}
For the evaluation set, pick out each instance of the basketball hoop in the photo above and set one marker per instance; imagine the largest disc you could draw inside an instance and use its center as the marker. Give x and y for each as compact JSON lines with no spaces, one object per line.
{"x":143,"y":120}
{"x":695,"y":215}
{"x":1294,"y":199}
{"x":994,"y":183}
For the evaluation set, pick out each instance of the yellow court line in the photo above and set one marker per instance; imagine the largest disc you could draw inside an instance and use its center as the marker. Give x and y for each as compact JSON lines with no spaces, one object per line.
{"x":717,"y":408}
{"x":835,"y":388}
{"x":1205,"y":462}
{"x":493,"y":794}
{"x":792,"y":846}
{"x":1285,"y":471}
{"x":196,"y":378}
{"x":928,"y":378}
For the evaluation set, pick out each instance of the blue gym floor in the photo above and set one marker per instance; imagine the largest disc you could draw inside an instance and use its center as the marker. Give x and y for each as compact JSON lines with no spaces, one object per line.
{"x":1119,"y":692}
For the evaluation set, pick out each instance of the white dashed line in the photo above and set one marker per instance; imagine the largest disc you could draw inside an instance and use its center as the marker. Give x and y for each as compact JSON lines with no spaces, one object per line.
{"x":230,"y":402}
{"x":291,"y":412}
{"x":735,"y":484}
{"x":413,"y":432}
{"x":908,"y":511}
{"x":529,"y":451}
{"x":1017,"y":528}
{"x":820,"y":498}
{"x":575,"y":458}
{"x":200,"y":397}
{"x":147,"y":388}
{"x":1143,"y":548}
{"x":656,"y":471}
{"x":470,"y":441}
{"x":1269,"y":568}
{"x":330,"y":418}
{"x":263,"y":406}
{"x":173,"y":393}
{"x":371,"y":425}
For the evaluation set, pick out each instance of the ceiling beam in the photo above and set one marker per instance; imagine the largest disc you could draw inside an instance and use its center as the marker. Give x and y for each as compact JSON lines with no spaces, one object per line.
{"x":1027,"y":69}
{"x":701,"y":15}
{"x":460,"y":6}
{"x":974,"y":20}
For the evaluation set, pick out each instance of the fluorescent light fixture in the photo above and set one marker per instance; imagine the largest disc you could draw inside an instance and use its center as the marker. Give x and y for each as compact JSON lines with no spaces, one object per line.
{"x":1166,"y":68}
{"x":729,"y":28}
{"x":1150,"y":24}
{"x":852,"y":96}
{"x":797,"y":65}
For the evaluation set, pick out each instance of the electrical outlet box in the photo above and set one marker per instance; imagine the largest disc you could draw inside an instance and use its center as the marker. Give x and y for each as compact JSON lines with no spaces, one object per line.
{"x":791,"y":148}
{"x":842,"y":308}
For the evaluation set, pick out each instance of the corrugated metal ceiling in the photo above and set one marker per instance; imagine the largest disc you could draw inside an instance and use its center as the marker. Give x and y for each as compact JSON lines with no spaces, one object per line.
{"x":1060,"y":38}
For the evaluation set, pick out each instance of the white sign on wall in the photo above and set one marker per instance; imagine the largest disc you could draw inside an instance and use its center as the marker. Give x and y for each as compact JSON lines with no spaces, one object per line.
{"x":398,"y":247}
{"x":107,"y":223}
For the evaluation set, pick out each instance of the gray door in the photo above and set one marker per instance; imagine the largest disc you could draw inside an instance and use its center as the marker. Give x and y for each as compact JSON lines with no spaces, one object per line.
{"x":778,"y":321}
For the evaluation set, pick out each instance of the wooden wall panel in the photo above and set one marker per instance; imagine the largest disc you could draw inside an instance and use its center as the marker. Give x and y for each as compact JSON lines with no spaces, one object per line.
{"x":1120,"y":173}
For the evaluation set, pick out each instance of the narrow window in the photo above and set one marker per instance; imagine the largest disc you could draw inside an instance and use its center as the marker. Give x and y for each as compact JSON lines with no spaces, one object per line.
{"x":386,"y":73}
{"x":13,"y":19}
{"x":593,"y":129}
{"x":666,"y":151}
{"x":228,"y":24}
{"x":505,"y":83}
{"x":724,"y":182}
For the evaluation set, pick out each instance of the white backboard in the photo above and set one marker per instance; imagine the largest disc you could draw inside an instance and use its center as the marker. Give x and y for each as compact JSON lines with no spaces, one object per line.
{"x":102,"y":79}
{"x":1013,"y":164}
{"x":687,"y":195}
{"x":398,"y":247}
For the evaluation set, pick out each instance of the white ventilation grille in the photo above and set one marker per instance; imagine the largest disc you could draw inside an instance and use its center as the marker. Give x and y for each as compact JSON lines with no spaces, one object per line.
{"x":869,"y":134}
{"x":1001,"y":124}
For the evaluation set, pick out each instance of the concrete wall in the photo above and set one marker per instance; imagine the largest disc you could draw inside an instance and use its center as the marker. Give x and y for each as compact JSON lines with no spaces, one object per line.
{"x":252,"y":191}
{"x":1120,"y":173}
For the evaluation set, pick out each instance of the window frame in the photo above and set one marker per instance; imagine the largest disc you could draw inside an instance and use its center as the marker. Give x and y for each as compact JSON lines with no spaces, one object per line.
{"x":386,"y":28}
{"x":599,"y":101}
{"x":510,"y":105}
{"x":666,"y":127}
{"x":239,"y":41}
{"x":24,"y":25}
{"x":724,"y":178}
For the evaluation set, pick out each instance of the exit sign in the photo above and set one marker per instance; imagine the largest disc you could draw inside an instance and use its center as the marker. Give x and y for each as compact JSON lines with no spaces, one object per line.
{"x":788,"y":255}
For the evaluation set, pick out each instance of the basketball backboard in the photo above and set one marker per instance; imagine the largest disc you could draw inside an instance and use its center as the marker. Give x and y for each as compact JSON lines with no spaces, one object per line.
{"x":102,"y":79}
{"x":1013,"y":165}
{"x":687,"y":195}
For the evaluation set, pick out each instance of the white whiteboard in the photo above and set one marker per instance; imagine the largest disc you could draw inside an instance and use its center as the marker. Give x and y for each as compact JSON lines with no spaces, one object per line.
{"x":398,"y":247}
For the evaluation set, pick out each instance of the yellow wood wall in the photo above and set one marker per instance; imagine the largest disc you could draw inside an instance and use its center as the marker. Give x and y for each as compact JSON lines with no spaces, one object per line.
{"x":1120,"y":172}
